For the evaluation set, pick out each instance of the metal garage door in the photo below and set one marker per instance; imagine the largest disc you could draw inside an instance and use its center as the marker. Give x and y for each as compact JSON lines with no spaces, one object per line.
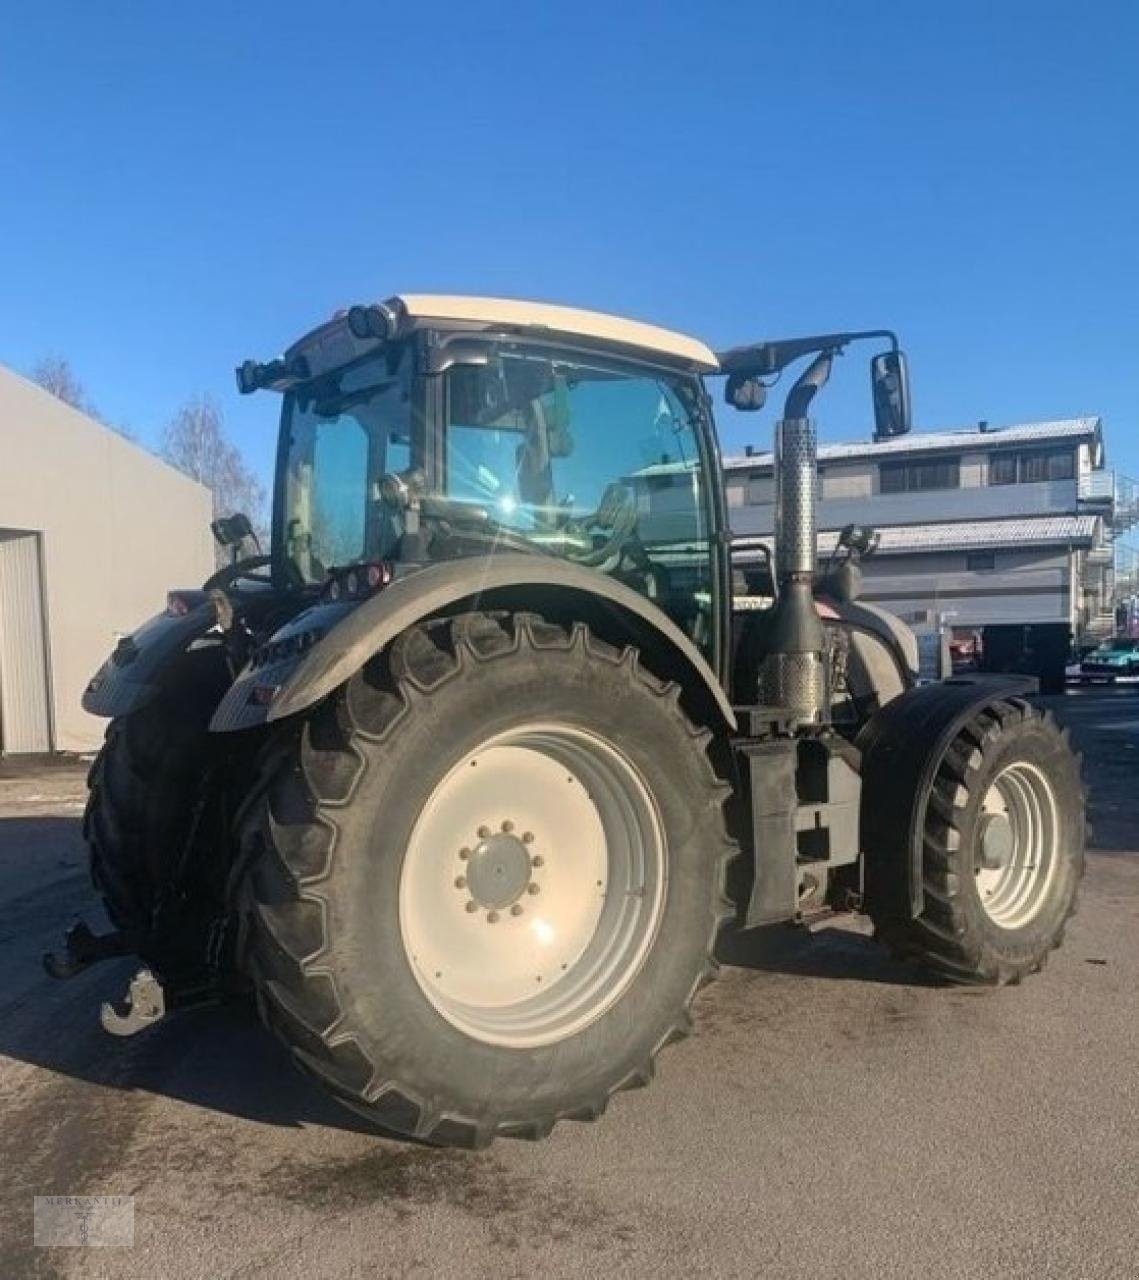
{"x":25,"y":711}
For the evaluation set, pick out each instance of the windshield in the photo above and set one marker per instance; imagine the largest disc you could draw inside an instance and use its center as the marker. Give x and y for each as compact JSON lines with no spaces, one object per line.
{"x":342,"y":434}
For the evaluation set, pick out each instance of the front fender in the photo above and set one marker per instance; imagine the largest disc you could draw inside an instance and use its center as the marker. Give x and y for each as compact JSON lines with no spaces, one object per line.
{"x":132,"y":676}
{"x":902,"y":746}
{"x":321,"y":648}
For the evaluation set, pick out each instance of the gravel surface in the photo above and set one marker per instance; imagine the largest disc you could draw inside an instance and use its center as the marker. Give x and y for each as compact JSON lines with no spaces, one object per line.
{"x":834,"y":1116}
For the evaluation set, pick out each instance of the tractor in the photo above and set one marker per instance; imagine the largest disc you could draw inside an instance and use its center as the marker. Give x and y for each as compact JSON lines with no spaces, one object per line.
{"x":464,"y":777}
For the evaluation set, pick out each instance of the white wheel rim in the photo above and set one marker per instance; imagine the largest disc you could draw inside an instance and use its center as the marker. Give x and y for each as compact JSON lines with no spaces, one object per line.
{"x":532,"y":885}
{"x":1018,"y":842}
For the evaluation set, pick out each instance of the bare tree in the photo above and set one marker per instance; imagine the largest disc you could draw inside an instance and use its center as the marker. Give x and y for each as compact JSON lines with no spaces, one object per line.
{"x":55,"y":374}
{"x":196,"y":443}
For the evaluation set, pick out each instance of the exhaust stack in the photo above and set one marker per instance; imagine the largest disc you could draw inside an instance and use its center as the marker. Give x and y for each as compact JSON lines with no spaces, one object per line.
{"x":794,"y":674}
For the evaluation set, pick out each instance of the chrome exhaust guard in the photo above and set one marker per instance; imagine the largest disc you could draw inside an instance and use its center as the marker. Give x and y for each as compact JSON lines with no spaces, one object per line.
{"x":794,"y":674}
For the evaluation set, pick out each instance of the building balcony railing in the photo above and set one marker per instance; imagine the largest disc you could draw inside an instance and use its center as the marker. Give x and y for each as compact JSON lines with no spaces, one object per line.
{"x":1097,"y":486}
{"x":1115,"y":495}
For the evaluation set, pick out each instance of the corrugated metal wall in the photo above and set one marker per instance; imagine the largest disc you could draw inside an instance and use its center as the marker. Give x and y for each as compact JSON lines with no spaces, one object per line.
{"x":25,"y":716}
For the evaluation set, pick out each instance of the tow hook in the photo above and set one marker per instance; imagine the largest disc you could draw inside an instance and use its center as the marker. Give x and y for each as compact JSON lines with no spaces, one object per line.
{"x":145,"y":1005}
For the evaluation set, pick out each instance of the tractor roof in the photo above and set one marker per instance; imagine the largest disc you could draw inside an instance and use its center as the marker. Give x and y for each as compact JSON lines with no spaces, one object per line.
{"x":596,"y":325}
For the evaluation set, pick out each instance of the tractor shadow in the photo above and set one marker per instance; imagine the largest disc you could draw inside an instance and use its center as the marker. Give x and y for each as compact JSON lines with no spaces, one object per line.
{"x":218,"y":1058}
{"x":834,"y":952}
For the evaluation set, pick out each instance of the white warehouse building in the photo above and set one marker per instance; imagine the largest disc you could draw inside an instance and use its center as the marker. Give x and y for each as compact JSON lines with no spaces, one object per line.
{"x":93,"y":532}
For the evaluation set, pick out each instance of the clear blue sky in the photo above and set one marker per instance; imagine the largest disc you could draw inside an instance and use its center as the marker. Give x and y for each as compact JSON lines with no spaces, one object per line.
{"x":189,"y":184}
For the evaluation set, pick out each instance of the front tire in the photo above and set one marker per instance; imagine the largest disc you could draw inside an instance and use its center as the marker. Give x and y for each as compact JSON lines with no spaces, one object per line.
{"x":486,"y":878}
{"x":1003,"y":851}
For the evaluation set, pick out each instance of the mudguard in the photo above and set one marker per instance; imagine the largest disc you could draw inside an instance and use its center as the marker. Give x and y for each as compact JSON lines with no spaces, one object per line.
{"x":322,"y":647}
{"x":902,"y":747}
{"x":132,"y":675}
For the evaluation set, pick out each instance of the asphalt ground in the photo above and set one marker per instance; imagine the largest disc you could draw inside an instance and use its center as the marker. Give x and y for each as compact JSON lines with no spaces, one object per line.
{"x":834,"y":1115}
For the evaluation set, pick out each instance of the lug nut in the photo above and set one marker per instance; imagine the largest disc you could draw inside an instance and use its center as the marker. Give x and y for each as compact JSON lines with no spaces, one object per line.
{"x":492,"y":917}
{"x":527,"y":837}
{"x":484,"y":833}
{"x":464,"y":853}
{"x":516,"y":910}
{"x":507,"y":825}
{"x":472,"y":906}
{"x":537,"y":860}
{"x":533,"y":888}
{"x":460,"y":882}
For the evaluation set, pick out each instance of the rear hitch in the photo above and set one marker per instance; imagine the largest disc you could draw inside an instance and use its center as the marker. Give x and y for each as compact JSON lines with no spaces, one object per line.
{"x":82,"y":948}
{"x":148,"y":1000}
{"x":145,"y":1005}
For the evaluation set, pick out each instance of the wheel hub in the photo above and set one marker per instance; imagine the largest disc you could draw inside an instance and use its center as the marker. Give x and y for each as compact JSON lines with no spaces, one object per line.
{"x":498,"y":871}
{"x":1018,"y":844}
{"x":997,"y":841}
{"x":532,"y":884}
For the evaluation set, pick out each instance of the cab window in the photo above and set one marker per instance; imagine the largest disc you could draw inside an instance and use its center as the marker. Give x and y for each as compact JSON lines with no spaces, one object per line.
{"x":594,"y":462}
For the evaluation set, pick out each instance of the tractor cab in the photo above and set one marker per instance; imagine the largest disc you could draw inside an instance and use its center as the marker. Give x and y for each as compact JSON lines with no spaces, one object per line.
{"x":430,"y":429}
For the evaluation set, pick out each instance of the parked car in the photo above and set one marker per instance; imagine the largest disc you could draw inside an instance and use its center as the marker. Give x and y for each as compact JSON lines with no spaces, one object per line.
{"x":1113,"y":658}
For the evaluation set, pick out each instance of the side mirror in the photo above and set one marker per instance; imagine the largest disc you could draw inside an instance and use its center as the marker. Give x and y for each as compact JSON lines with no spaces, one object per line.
{"x":231,"y":531}
{"x":744,"y":393}
{"x":890,"y":380}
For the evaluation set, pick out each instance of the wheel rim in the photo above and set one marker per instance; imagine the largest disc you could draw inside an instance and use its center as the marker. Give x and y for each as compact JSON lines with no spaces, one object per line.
{"x":1017,"y":845}
{"x":532,"y":885}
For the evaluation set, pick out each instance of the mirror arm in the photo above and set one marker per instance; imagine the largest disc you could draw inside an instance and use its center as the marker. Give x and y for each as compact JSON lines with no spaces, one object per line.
{"x":765,"y":358}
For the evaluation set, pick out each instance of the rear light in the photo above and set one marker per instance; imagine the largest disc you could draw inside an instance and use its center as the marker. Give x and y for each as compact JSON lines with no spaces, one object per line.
{"x":358,"y":582}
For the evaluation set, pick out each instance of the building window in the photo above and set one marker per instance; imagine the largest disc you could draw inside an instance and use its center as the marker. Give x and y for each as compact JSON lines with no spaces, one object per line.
{"x":980,"y":561}
{"x":760,"y":491}
{"x":1032,"y":468}
{"x":916,"y":477}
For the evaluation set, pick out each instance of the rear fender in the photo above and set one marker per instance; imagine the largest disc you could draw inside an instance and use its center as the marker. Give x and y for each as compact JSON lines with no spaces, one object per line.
{"x":902,"y":747}
{"x":323,"y":647}
{"x":135,"y":672}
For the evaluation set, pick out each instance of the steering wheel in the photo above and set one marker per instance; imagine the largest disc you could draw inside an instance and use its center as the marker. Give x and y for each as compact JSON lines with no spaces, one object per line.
{"x":606,"y":530}
{"x":232,"y":573}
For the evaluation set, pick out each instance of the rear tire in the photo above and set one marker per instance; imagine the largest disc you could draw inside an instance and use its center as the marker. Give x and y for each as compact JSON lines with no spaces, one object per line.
{"x":144,"y":794}
{"x":1003,"y":851}
{"x":388,"y":943}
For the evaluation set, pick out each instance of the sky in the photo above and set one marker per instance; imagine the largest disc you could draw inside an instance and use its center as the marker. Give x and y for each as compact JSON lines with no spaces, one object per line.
{"x":187,"y":185}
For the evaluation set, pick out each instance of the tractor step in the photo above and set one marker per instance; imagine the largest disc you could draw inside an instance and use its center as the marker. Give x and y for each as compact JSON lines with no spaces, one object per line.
{"x":82,"y":949}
